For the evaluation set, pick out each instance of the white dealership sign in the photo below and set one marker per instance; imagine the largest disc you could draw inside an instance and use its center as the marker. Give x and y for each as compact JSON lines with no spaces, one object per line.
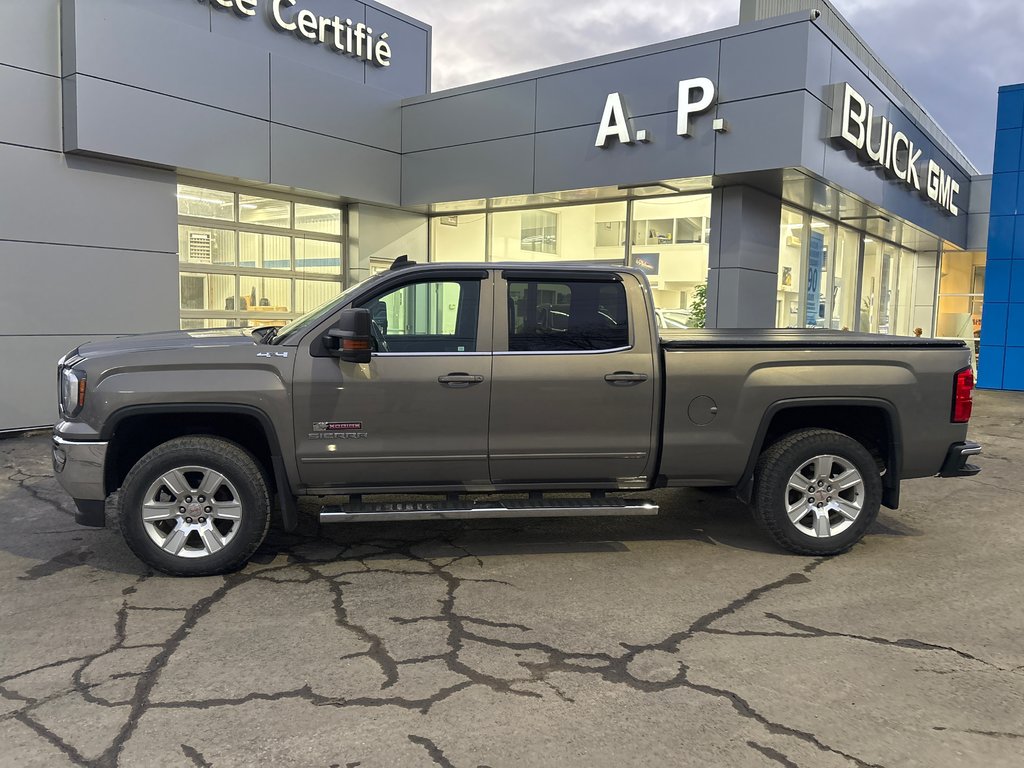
{"x":695,"y":96}
{"x":340,"y":35}
{"x":856,"y":125}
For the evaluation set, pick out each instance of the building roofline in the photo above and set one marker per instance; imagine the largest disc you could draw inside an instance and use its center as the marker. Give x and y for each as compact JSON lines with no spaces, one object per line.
{"x":841,"y":29}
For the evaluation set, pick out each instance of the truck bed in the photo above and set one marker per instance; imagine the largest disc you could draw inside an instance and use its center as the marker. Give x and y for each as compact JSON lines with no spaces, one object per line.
{"x":721,"y":386}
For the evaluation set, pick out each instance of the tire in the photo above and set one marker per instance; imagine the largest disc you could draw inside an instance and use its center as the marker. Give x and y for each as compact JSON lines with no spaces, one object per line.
{"x":835,"y":508}
{"x":210,"y":537}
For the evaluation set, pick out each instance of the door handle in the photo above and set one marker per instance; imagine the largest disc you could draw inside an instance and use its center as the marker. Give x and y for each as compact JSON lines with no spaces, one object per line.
{"x":459,"y":380}
{"x":625,"y":378}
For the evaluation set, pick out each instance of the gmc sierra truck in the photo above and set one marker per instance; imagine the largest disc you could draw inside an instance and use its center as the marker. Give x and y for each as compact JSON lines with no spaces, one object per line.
{"x":498,"y":390}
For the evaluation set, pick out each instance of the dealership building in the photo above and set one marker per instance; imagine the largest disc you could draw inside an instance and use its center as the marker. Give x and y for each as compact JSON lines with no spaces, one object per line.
{"x":203,"y":163}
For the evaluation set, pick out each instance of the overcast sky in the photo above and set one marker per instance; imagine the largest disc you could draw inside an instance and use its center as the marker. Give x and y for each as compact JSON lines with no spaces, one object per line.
{"x":950,"y":54}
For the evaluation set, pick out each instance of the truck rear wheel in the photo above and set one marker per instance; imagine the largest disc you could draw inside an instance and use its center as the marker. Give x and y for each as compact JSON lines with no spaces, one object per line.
{"x":195,"y":506}
{"x":817,"y":491}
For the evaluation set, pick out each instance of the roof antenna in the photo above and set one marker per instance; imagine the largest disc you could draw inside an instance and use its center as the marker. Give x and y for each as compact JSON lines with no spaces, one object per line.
{"x":402,"y":262}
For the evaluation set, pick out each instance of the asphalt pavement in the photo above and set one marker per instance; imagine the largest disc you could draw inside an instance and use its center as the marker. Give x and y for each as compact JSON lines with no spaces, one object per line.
{"x":683,"y":639}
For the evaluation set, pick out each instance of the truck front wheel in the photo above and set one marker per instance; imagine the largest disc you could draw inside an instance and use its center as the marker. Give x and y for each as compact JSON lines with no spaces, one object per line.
{"x":817,"y":491}
{"x":195,"y":506}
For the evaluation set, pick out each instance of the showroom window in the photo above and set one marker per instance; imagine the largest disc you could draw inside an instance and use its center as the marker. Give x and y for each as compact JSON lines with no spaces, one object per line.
{"x":961,"y":294}
{"x":248,"y":259}
{"x":669,"y":242}
{"x":835,"y":277}
{"x":566,"y":233}
{"x":666,"y":236}
{"x":539,"y":231}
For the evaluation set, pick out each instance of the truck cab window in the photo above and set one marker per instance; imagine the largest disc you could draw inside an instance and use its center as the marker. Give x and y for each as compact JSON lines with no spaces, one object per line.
{"x":429,"y":316}
{"x":569,"y":316}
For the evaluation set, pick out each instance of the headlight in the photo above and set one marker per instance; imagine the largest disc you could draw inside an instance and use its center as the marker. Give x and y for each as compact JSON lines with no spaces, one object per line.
{"x":72,"y":392}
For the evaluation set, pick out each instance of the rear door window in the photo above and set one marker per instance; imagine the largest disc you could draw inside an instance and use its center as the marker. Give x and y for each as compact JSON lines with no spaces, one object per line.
{"x":566,"y":316}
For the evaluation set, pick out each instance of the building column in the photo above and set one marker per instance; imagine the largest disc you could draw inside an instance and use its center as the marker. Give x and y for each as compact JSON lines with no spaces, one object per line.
{"x":743,"y":263}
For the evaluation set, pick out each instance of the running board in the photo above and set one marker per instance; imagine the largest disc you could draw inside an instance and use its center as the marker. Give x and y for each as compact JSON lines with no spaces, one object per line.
{"x":455,"y":510}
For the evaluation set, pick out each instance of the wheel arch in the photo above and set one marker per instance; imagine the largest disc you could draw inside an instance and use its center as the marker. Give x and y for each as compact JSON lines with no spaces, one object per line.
{"x":135,"y":430}
{"x":874,"y":422}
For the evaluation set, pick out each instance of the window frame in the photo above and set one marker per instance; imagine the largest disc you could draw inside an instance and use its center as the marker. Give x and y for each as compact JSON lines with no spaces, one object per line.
{"x":502,"y":331}
{"x":483,"y":328}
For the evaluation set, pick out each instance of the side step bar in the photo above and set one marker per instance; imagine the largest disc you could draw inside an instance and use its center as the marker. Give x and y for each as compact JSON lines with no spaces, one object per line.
{"x":457,"y":510}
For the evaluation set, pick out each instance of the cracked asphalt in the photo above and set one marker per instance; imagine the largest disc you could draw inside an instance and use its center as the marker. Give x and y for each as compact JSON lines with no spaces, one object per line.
{"x":684,"y":639}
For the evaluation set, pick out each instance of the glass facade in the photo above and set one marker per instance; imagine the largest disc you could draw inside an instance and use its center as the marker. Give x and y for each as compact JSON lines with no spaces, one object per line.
{"x":666,"y":237}
{"x":249,"y":260}
{"x":961,"y":295}
{"x":832,"y":276}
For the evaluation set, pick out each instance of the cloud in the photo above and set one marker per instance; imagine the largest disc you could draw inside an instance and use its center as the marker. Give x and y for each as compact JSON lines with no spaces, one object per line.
{"x":951,"y":55}
{"x":478,"y":40}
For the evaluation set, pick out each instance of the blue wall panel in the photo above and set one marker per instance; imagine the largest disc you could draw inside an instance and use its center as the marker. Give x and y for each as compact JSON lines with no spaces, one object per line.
{"x":1000,"y":237}
{"x":1001,"y":363}
{"x":1007,"y":150}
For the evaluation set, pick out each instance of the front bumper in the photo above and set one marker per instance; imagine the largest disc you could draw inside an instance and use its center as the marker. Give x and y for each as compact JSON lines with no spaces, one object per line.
{"x":79,"y":468}
{"x":956,"y":460}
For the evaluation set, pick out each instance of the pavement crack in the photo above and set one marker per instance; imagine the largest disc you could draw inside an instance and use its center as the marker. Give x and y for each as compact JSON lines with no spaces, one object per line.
{"x":21,"y":479}
{"x":433,"y":750}
{"x":196,"y":757}
{"x":974,"y":732}
{"x":772,"y":754}
{"x":744,"y":709}
{"x":377,"y":650}
{"x":917,"y":645}
{"x":49,"y":736}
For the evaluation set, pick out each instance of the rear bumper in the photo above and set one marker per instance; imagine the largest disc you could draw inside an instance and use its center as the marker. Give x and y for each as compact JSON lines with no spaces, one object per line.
{"x":956,"y":460}
{"x":79,"y":468}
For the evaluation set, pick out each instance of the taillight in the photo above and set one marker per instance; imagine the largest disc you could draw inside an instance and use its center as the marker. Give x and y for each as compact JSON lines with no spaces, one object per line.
{"x":963,"y":403}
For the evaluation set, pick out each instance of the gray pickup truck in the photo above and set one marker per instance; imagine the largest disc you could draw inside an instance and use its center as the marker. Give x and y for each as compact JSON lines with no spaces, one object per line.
{"x":502,"y":390}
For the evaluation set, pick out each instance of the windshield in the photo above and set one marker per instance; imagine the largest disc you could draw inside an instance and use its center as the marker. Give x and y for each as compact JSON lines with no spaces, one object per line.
{"x":313,"y":317}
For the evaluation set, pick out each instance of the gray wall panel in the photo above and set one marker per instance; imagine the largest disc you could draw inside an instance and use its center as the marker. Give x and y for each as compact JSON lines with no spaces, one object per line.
{"x":764,"y":133}
{"x":744,"y":298}
{"x":649,"y":85}
{"x":747,"y":234}
{"x":843,"y":169}
{"x":51,"y":198}
{"x":981,"y":194}
{"x":493,"y":113}
{"x":338,"y":107}
{"x":977,"y":232}
{"x":195,"y":14}
{"x":28,"y":397}
{"x":568,"y":159}
{"x":134,"y":289}
{"x":772,"y":61}
{"x":153,"y":52}
{"x":489,"y":169}
{"x":310,"y":161}
{"x":258,"y":32}
{"x":30,"y":35}
{"x":410,"y":45}
{"x":120,"y":121}
{"x":386,"y":234}
{"x":35,"y":121}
